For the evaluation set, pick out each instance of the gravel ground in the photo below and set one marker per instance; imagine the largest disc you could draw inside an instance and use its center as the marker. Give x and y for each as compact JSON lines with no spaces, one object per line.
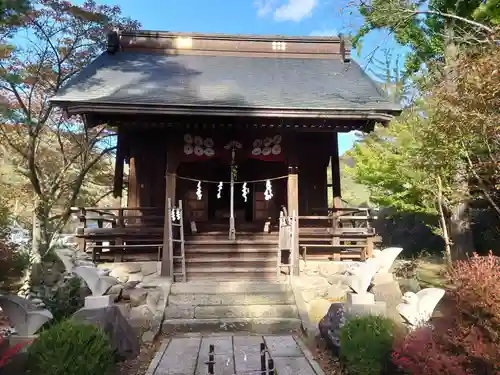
{"x":139,"y":365}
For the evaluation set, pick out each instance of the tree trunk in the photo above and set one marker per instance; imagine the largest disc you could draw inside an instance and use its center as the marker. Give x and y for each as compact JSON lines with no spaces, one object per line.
{"x":460,"y":221}
{"x":443,"y":223}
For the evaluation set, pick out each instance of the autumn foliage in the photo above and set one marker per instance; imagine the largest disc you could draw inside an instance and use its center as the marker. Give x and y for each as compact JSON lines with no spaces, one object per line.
{"x":467,"y":341}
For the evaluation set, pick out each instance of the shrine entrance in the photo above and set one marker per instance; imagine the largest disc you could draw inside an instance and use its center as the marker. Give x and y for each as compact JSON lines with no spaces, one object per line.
{"x":205,"y":187}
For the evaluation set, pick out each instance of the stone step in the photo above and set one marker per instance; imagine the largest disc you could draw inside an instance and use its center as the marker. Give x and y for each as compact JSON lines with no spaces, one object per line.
{"x":234,"y":311}
{"x":281,"y":298}
{"x":246,"y":311}
{"x":264,"y":325}
{"x":231,"y":287}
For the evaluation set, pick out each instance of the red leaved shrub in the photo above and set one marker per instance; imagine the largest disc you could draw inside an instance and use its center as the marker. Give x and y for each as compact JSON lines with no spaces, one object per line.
{"x":467,"y":340}
{"x":474,"y":325}
{"x":424,"y":352}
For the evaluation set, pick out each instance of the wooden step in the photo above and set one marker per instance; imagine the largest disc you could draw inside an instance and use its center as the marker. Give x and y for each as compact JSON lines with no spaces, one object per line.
{"x":242,"y":269}
{"x":214,"y":249}
{"x":231,"y":242}
{"x":225,"y":260}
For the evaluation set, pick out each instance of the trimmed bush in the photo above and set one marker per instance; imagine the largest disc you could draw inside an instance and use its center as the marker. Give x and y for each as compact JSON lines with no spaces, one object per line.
{"x":366,"y":344}
{"x":71,"y":348}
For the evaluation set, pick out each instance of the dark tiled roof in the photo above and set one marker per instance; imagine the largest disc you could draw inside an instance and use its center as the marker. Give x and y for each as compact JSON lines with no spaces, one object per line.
{"x":154,"y":79}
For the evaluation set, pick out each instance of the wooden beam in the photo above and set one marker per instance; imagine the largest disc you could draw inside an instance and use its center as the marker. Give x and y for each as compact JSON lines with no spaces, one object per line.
{"x":119,"y":160}
{"x":293,"y":208}
{"x":335,"y":168}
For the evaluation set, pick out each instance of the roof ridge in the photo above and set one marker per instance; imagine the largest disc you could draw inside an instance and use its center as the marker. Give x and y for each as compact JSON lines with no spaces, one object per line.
{"x":235,"y":37}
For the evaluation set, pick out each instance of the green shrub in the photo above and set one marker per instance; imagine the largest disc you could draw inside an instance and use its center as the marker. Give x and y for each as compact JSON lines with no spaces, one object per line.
{"x":366,"y":344}
{"x":71,"y":348}
{"x":63,"y":302}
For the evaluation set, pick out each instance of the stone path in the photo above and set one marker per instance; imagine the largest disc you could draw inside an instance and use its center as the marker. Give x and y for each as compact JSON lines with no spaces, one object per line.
{"x":234,"y":355}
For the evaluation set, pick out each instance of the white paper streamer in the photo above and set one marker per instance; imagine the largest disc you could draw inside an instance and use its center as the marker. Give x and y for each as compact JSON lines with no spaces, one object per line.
{"x":219,"y":190}
{"x":199,"y":193}
{"x":244,"y":191}
{"x":268,"y":193}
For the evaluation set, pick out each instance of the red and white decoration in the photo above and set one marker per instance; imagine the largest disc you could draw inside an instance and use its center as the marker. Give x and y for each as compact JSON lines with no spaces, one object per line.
{"x":198,"y":147}
{"x":268,"y":148}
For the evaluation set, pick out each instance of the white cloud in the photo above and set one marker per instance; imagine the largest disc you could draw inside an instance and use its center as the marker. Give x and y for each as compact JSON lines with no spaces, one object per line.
{"x":291,"y":10}
{"x":295,"y":10}
{"x":264,"y":7}
{"x":326,"y":32}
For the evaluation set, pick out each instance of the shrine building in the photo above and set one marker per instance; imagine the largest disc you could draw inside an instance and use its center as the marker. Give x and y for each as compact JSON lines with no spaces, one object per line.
{"x":227,"y":139}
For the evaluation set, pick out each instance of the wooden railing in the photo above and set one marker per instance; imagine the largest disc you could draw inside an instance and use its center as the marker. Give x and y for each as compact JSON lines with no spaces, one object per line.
{"x":119,"y":228}
{"x":342,"y":233}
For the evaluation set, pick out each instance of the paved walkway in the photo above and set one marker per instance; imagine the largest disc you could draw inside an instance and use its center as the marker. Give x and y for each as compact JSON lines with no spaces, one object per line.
{"x":234,"y":355}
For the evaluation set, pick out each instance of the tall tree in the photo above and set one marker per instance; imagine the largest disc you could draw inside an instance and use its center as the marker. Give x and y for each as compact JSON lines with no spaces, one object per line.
{"x":54,"y":41}
{"x":434,"y":31}
{"x":11,"y":14}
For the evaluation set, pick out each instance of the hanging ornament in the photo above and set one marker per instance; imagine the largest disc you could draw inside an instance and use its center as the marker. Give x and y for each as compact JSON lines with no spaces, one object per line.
{"x":175,"y":214}
{"x":244,"y":191}
{"x":268,"y":193}
{"x":199,"y":194}
{"x":219,"y":190}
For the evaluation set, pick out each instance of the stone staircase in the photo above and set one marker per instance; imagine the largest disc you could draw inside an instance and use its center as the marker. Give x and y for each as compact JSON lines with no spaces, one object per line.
{"x":237,"y":306}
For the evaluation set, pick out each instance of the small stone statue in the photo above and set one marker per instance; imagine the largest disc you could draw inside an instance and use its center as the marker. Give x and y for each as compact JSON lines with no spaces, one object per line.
{"x":361,"y":276}
{"x":96,"y":279}
{"x":417,"y":308}
{"x":26,"y":318}
{"x":386,"y":258}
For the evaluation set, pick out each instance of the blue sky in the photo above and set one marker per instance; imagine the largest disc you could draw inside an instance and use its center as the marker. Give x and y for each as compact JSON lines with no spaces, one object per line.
{"x":285,"y":17}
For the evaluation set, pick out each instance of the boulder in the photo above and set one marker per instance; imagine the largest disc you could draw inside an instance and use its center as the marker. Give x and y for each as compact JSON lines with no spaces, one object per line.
{"x":390,"y":293}
{"x":137,"y":296}
{"x":330,"y":325}
{"x":110,"y":319}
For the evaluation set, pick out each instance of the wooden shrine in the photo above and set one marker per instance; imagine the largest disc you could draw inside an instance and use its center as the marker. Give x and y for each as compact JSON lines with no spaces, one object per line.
{"x":227,"y":139}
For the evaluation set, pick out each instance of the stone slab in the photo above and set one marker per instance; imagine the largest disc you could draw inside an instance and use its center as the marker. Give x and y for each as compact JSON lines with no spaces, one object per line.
{"x":232,"y":299}
{"x":98,"y":302}
{"x":378,"y":308}
{"x":246,"y":311}
{"x":244,"y":287}
{"x":233,"y":355}
{"x":224,"y":355}
{"x":247,"y":353}
{"x":293,"y":366}
{"x":282,"y":346}
{"x":180,"y":357}
{"x":179,"y":312}
{"x":360,"y":299}
{"x":249,"y":325}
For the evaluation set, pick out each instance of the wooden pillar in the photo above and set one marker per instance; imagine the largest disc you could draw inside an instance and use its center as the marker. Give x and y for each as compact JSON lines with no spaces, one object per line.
{"x":170,"y":187}
{"x":335,"y":169}
{"x":293,"y":207}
